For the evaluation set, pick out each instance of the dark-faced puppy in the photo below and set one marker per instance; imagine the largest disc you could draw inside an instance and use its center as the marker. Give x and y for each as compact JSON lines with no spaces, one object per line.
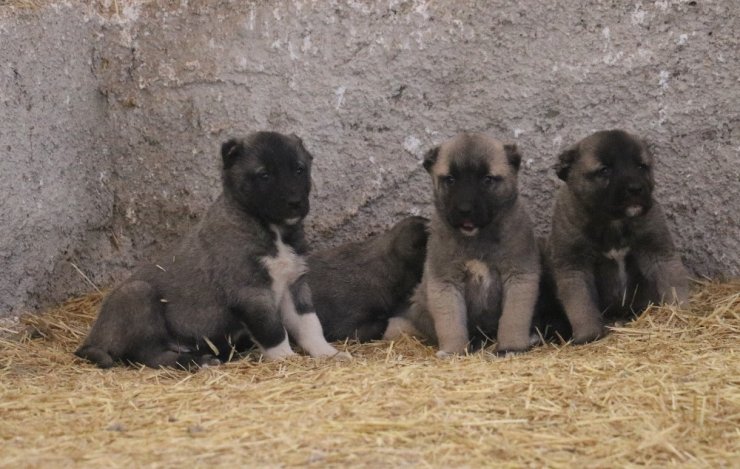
{"x":610,"y":250}
{"x":482,"y":268}
{"x":241,"y":269}
{"x":357,"y":286}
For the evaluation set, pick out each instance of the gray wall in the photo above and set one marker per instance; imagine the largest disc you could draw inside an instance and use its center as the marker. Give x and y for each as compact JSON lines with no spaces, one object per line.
{"x":112,"y":120}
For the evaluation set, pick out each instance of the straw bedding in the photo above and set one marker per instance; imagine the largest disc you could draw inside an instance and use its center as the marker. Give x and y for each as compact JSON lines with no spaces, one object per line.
{"x":662,"y":390}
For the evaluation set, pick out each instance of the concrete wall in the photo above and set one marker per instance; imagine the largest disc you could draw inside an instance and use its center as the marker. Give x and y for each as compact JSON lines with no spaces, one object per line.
{"x":157,"y":86}
{"x":55,"y":160}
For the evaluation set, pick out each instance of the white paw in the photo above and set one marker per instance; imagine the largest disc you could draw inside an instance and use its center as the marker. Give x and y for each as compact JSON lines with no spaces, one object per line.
{"x":271,"y":357}
{"x":209,"y":362}
{"x":510,"y":353}
{"x":327,"y":352}
{"x":443,"y":354}
{"x":278,"y":352}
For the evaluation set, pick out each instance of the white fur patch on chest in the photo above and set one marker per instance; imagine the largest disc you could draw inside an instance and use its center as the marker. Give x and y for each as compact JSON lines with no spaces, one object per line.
{"x":478,"y":272}
{"x":618,"y":256}
{"x":284,"y":268}
{"x":479,"y":281}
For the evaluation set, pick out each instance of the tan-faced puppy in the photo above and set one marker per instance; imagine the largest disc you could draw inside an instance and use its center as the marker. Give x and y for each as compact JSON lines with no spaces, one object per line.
{"x":358,"y":286}
{"x":610,"y":249}
{"x":482,"y":268}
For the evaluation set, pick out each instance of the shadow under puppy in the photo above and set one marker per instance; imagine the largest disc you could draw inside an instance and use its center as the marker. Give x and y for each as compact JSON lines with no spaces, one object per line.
{"x":610,"y":250}
{"x":357,"y":286}
{"x":241,"y":267}
{"x":482,"y":269}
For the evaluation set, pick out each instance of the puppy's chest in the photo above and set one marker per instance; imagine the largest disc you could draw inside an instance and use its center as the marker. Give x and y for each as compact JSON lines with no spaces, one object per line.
{"x":285,"y":267}
{"x":477,"y":274}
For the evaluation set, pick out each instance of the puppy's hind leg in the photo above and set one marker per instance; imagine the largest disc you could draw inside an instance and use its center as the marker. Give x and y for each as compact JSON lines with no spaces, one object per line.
{"x":163,"y":357}
{"x":130,"y":321}
{"x":371,"y":330}
{"x":399,"y":326}
{"x":303,"y":324}
{"x":96,"y":355}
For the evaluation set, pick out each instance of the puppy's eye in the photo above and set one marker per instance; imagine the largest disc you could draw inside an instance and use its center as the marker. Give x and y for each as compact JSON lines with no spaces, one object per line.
{"x":263,"y":176}
{"x":604,"y":172}
{"x":490,"y":180}
{"x":449,"y":180}
{"x":644,"y":166}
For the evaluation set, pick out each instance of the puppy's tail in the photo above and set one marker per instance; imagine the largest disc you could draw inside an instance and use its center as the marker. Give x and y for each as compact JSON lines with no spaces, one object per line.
{"x":96,"y":355}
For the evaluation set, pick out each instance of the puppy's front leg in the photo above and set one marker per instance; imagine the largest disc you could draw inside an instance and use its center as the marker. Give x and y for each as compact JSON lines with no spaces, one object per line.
{"x":447,"y":308}
{"x":257,"y":309}
{"x":303,"y":324}
{"x":520,"y":296}
{"x":670,"y":277}
{"x":577,"y":292}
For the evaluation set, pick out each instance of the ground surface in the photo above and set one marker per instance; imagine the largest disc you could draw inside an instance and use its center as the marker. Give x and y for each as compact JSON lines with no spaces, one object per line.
{"x":663,"y":390}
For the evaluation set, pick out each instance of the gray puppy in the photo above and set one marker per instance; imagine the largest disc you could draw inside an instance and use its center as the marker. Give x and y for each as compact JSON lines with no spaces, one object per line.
{"x":610,"y":250}
{"x":481,"y":275}
{"x":241,"y":267}
{"x":358,"y":286}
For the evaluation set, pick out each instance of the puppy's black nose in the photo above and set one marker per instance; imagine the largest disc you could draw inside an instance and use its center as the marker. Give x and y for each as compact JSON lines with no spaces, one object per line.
{"x":635,"y":189}
{"x":464,"y":209}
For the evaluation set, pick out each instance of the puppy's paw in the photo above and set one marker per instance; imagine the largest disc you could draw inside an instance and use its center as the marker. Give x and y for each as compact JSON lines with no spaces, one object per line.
{"x":207,"y":361}
{"x":581,"y":337}
{"x":342,"y":356}
{"x":443,"y":354}
{"x":326,"y":351}
{"x":272,"y":355}
{"x":502,"y":353}
{"x":535,"y":339}
{"x":515,"y":345}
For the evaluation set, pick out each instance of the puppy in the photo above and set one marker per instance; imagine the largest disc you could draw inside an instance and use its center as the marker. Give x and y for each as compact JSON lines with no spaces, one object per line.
{"x":610,"y":250}
{"x":242,"y":268}
{"x":482,"y":269}
{"x":357,"y":286}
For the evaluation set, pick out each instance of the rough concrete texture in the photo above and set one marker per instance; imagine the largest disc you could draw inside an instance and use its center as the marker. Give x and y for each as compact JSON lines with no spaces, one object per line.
{"x":127,"y":109}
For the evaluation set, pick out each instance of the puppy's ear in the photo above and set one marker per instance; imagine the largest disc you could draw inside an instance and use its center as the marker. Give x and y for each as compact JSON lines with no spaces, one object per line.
{"x":565,"y":160}
{"x":430,"y":157}
{"x":649,"y":147}
{"x":230,"y":151}
{"x":299,"y":141}
{"x":513,"y":155}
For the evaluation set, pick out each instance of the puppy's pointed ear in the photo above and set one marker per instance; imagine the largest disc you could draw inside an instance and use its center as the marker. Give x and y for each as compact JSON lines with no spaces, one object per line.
{"x":565,"y":161}
{"x":299,"y":141}
{"x":513,"y":155}
{"x":430,"y":157}
{"x":230,"y":151}
{"x":649,"y":147}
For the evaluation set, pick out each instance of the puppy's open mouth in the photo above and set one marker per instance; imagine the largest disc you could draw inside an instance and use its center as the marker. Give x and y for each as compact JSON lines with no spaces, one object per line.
{"x":468,"y":228}
{"x":634,"y":211}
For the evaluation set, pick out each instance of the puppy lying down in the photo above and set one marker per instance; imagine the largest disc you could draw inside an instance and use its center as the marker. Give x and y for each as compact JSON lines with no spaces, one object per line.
{"x":358,"y":286}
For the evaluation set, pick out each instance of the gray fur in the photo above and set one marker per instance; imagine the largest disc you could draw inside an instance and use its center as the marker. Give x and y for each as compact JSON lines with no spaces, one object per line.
{"x":196,"y":304}
{"x":610,"y":250}
{"x":481,"y":275}
{"x":358,"y":286}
